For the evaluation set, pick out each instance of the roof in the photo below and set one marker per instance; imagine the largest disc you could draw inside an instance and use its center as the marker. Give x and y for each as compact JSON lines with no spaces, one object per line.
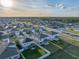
{"x":28,"y":40}
{"x":9,"y":52}
{"x":43,"y":35}
{"x":1,"y":33}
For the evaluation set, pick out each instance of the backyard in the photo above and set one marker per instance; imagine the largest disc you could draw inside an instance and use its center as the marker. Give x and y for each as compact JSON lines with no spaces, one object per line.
{"x":33,"y":54}
{"x":62,"y":50}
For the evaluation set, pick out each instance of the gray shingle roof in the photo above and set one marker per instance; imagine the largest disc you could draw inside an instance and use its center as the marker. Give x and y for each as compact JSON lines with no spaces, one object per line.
{"x":8,"y":53}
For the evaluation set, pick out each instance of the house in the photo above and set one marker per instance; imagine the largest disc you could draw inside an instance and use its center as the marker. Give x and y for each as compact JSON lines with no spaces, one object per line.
{"x":1,"y":28}
{"x":27,"y":43}
{"x":53,"y":35}
{"x":16,"y":32}
{"x":4,"y":37}
{"x":43,"y":38}
{"x":7,"y":52}
{"x":10,"y":53}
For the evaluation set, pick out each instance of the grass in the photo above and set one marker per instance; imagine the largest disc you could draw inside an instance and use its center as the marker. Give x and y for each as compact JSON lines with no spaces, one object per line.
{"x":70,"y":51}
{"x":74,"y":51}
{"x":60,"y":55}
{"x":52,"y":48}
{"x":61,"y":43}
{"x":72,"y":31}
{"x":56,"y":45}
{"x":62,"y":50}
{"x":69,"y":39}
{"x":33,"y":54}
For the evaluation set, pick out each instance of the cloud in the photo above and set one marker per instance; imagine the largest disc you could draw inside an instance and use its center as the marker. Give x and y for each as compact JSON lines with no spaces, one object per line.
{"x":30,"y":3}
{"x":51,"y":5}
{"x":61,"y":6}
{"x":57,"y":5}
{"x":39,"y":8}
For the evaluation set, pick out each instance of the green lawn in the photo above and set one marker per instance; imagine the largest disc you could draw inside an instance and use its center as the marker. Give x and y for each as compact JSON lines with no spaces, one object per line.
{"x":52,"y":48}
{"x":62,"y":50}
{"x":72,"y":31}
{"x":69,"y":39}
{"x":60,"y":55}
{"x":61,"y":43}
{"x":74,"y":51}
{"x":33,"y":54}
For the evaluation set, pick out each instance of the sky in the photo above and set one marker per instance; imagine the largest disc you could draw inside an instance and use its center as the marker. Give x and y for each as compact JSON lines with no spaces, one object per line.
{"x":44,"y":8}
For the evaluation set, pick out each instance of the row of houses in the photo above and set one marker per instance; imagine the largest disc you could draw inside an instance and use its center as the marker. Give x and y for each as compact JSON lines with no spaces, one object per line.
{"x":25,"y":36}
